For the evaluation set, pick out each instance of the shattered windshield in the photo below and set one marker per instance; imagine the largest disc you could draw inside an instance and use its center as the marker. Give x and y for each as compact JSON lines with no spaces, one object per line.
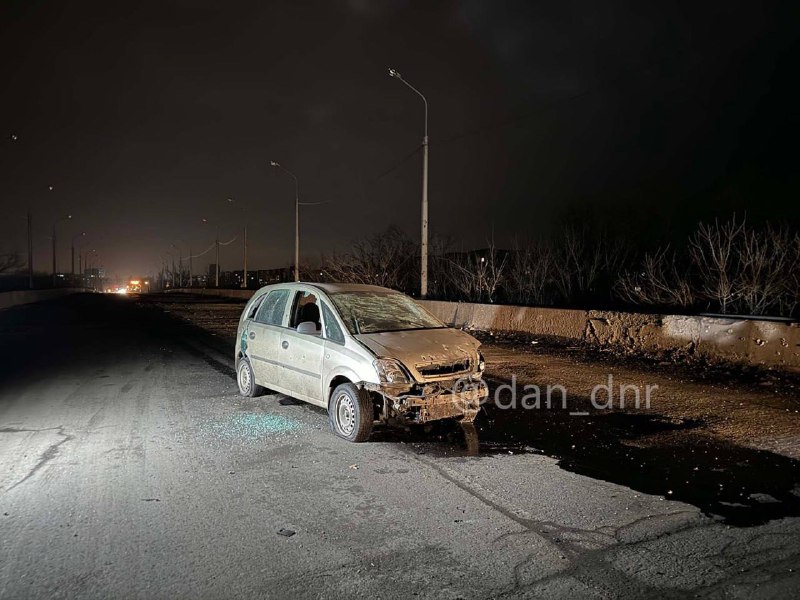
{"x":374,"y":312}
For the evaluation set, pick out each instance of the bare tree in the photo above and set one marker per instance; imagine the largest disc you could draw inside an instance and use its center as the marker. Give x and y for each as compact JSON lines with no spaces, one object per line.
{"x":383,"y":259}
{"x":715,"y":255}
{"x":659,"y":281}
{"x":790,"y":294}
{"x":764,"y":264}
{"x":11,"y":261}
{"x":582,"y":258}
{"x":530,"y":272}
{"x":730,"y":266}
{"x":490,"y":269}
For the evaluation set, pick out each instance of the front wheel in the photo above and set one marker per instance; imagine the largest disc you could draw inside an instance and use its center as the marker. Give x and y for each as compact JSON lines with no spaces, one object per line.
{"x":350,"y":413}
{"x":247,"y":380}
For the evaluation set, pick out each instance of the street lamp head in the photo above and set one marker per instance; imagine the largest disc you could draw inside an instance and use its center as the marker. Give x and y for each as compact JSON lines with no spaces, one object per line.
{"x":394,"y":73}
{"x":272,"y":163}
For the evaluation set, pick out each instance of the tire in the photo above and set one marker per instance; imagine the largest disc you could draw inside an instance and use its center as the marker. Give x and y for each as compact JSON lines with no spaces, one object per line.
{"x":350,"y":413}
{"x":246,"y":379}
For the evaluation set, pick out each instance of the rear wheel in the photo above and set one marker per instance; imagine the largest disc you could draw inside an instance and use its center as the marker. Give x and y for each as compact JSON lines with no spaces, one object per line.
{"x":350,"y":413}
{"x":247,"y":380}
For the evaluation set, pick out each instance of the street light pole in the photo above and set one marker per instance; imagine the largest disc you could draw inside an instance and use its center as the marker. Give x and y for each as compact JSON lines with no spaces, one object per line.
{"x":180,"y":264}
{"x":296,"y":219}
{"x":241,"y":207}
{"x":83,"y":233}
{"x":54,"y":244}
{"x":424,"y":243}
{"x":30,"y":249}
{"x":216,"y":260}
{"x":244,"y":279}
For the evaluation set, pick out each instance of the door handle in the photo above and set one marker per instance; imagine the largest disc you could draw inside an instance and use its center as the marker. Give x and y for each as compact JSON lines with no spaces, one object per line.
{"x":252,"y":335}
{"x":284,"y":344}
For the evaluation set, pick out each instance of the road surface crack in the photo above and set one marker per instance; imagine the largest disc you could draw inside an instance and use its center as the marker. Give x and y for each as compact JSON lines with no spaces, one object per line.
{"x":49,"y":454}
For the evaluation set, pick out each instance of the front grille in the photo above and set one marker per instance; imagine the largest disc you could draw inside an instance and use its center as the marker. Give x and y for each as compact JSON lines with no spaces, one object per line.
{"x":437,"y":370}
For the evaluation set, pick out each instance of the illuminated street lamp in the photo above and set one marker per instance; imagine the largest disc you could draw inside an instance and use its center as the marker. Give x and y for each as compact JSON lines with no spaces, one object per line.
{"x":424,"y":244}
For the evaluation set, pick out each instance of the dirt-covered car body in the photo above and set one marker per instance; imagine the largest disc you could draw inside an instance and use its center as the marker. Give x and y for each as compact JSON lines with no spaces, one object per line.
{"x":307,"y":339}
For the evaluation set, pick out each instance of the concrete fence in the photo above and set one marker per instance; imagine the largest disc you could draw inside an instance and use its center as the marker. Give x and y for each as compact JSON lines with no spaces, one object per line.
{"x":9,"y":299}
{"x":762,"y":343}
{"x":771,"y":344}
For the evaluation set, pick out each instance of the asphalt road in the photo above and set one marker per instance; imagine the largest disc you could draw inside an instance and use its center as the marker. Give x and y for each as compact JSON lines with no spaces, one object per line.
{"x":130,"y":468}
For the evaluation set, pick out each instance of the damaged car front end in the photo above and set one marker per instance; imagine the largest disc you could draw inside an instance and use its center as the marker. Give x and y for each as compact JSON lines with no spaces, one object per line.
{"x":426,"y":371}
{"x":445,"y":388}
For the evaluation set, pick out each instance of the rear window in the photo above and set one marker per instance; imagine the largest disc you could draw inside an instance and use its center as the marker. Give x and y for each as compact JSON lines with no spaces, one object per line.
{"x":273,"y":307}
{"x":251,"y":312}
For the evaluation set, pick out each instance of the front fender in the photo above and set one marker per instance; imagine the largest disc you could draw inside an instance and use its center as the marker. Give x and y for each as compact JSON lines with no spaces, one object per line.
{"x":341,"y":371}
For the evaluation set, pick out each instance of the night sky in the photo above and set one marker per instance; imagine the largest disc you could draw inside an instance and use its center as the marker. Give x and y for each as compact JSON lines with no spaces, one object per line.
{"x":145,"y":117}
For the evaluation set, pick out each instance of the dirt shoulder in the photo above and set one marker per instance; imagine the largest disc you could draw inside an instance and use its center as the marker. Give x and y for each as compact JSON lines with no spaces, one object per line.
{"x":759,"y":410}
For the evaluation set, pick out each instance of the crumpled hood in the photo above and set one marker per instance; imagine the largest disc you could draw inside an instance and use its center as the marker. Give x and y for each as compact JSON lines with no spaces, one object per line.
{"x":421,"y":346}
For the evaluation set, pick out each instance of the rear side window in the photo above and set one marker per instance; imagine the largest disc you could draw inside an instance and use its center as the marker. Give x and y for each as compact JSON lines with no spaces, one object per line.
{"x":251,"y":313}
{"x":273,"y":307}
{"x":332,"y":330}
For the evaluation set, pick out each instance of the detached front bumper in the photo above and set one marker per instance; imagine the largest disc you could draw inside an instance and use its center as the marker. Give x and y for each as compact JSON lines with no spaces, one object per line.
{"x":422,"y":403}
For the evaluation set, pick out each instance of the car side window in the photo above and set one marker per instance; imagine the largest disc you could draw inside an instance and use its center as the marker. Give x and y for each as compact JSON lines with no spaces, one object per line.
{"x":273,"y":307}
{"x":251,"y":313}
{"x":305,"y":309}
{"x":332,"y":330}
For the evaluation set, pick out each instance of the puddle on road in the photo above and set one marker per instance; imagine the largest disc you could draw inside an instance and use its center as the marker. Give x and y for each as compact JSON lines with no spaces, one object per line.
{"x":252,"y":426}
{"x":655,"y":455}
{"x":648,"y":453}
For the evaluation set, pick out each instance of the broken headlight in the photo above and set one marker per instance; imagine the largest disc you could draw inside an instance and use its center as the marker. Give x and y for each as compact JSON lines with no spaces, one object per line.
{"x":391,"y":371}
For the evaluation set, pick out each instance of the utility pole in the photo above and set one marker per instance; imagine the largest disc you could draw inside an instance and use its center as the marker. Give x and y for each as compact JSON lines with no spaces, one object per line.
{"x":244,"y":280}
{"x":296,"y":218}
{"x":424,"y":243}
{"x":190,"y":266}
{"x":83,"y":233}
{"x":67,"y":218}
{"x":296,"y":232}
{"x":30,"y":250}
{"x":180,"y":264}
{"x":216,"y":243}
{"x":54,"y":255}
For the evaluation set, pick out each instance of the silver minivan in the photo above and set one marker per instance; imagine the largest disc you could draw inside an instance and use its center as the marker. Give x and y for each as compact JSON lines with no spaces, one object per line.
{"x":365,"y":353}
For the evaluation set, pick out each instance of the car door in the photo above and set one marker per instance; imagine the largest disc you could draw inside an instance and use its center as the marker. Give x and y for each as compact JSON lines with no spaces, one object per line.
{"x":301,"y":353}
{"x":264,"y":338}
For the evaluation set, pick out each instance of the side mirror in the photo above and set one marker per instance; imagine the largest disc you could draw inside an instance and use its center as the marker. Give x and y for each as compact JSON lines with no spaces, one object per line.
{"x":307,"y":327}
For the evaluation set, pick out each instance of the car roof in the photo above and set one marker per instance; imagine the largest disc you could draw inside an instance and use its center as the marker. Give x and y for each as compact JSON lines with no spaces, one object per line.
{"x":335,"y":287}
